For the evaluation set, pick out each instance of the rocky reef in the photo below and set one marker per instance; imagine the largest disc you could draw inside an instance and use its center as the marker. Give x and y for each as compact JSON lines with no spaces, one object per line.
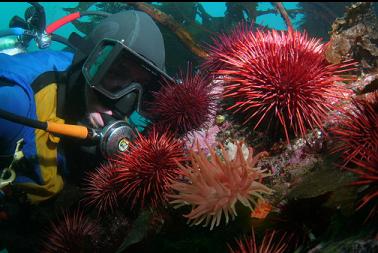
{"x":356,"y":36}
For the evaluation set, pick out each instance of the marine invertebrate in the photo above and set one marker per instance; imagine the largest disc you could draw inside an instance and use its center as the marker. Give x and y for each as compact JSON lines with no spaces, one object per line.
{"x":367,"y":175}
{"x":74,"y":233}
{"x":213,"y":186}
{"x":262,"y":209}
{"x":101,"y":188}
{"x":278,"y":81}
{"x":186,"y":105}
{"x":356,"y":130}
{"x":225,"y":45}
{"x":356,"y":133}
{"x":249,"y":245}
{"x":204,"y":137}
{"x":145,"y":172}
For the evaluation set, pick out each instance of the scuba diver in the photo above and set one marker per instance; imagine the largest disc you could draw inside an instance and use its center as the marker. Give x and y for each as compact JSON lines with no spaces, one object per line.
{"x":97,"y":92}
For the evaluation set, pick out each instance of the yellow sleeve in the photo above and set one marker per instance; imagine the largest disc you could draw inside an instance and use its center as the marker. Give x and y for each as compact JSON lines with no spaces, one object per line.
{"x":46,"y":145}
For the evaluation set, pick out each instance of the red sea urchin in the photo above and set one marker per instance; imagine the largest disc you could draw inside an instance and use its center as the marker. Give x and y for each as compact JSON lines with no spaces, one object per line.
{"x":368,"y":175}
{"x":357,"y":134}
{"x":101,"y":188}
{"x":186,"y":105}
{"x":356,"y":131}
{"x":267,"y":245}
{"x":225,"y":45}
{"x":75,"y":233}
{"x":278,"y":81}
{"x":146,"y":171}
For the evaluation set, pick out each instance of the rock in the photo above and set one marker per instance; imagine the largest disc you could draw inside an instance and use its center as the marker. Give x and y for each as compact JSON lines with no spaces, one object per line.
{"x":366,"y":84}
{"x":368,"y":246}
{"x":355,"y":37}
{"x":327,"y":179}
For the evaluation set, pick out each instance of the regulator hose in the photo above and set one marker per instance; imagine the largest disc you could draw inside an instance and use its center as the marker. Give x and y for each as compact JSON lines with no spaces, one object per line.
{"x":75,"y":131}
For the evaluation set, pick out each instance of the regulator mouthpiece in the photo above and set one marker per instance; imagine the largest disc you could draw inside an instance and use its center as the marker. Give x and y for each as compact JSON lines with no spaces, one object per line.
{"x":115,"y":138}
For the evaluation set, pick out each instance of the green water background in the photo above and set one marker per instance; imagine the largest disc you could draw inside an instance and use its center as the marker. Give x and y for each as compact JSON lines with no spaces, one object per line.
{"x":54,"y":11}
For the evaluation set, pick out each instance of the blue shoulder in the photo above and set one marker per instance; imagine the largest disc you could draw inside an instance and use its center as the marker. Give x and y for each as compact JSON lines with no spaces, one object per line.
{"x":15,"y":100}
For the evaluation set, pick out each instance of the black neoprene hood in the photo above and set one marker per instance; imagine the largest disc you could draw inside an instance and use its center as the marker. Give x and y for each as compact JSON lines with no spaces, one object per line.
{"x":136,"y":30}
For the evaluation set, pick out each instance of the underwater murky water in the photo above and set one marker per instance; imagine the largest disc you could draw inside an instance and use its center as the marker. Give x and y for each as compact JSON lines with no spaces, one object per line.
{"x":233,"y":127}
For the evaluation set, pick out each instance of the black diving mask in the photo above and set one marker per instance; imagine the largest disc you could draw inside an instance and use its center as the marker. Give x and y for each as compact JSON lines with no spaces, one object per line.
{"x":113,"y":69}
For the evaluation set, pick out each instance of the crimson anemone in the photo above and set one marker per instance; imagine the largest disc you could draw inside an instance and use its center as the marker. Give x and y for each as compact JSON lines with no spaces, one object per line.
{"x":75,"y":233}
{"x":277,"y":81}
{"x":214,"y":185}
{"x":101,"y":188}
{"x":184,"y":105}
{"x":145,"y":172}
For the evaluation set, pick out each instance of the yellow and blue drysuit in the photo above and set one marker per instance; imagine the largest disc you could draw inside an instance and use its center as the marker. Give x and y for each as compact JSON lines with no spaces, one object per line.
{"x":25,"y":91}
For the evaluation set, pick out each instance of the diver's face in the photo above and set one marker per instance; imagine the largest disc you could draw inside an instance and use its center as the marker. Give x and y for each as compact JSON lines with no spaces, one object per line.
{"x":123,"y":74}
{"x":95,"y":108}
{"x":118,"y":78}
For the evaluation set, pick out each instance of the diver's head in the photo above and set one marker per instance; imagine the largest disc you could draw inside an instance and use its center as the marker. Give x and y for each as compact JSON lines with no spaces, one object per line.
{"x":137,"y":30}
{"x":127,"y":62}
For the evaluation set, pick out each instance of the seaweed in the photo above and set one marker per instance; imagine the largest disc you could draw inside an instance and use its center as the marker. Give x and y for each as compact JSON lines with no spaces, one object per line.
{"x":319,"y":16}
{"x":185,"y":37}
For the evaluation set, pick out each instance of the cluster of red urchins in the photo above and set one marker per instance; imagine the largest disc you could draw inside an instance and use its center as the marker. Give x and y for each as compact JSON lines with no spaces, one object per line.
{"x":184,"y":105}
{"x":356,"y":133}
{"x":141,"y":176}
{"x":278,"y":81}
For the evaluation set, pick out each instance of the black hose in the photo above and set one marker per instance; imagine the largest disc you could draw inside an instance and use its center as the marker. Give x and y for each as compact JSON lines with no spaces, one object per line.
{"x":23,"y":120}
{"x":98,"y":13}
{"x":61,"y":39}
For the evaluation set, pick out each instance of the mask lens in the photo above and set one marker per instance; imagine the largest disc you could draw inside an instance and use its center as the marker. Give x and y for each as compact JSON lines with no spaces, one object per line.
{"x":99,"y":61}
{"x":123,"y":71}
{"x":114,"y":70}
{"x":112,"y":67}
